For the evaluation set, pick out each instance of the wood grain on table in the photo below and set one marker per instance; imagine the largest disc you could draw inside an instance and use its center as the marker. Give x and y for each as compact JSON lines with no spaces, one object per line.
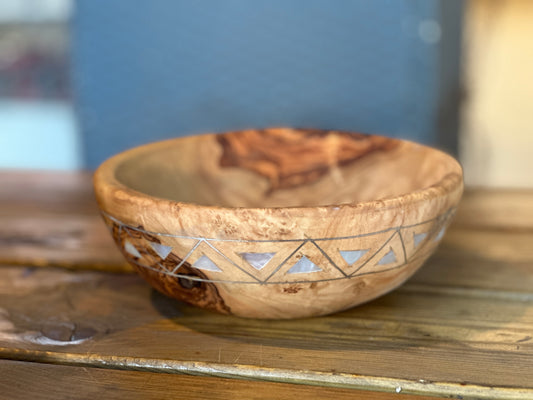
{"x":461,"y":327}
{"x":51,"y":382}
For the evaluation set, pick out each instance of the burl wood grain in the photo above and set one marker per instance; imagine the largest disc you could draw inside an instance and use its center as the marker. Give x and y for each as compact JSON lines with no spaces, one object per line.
{"x":194,"y":291}
{"x":290,"y":158}
{"x":295,"y":194}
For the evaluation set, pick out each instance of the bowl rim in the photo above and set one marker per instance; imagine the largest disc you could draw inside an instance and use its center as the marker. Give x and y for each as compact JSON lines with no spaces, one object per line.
{"x":104,"y":179}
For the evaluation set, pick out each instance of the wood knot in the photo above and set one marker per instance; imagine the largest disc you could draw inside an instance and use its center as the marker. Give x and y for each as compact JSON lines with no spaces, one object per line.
{"x":292,"y":289}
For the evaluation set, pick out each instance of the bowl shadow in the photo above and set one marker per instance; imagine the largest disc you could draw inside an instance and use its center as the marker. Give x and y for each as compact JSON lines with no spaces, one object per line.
{"x":416,"y":315}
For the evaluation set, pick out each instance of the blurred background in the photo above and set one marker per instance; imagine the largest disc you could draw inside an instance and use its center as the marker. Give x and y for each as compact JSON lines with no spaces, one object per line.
{"x":82,"y":80}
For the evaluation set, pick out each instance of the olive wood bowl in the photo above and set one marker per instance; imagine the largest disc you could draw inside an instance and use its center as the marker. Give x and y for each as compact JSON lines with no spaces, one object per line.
{"x":278,"y":223}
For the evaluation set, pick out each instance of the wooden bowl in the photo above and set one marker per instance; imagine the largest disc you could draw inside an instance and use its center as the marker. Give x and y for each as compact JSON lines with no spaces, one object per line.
{"x":278,"y":223}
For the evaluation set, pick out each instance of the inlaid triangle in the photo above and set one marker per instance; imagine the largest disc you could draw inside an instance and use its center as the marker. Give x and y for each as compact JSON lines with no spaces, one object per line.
{"x":415,"y":238}
{"x":303,"y":266}
{"x":388,"y":258}
{"x":352,"y":253}
{"x":161,"y":250}
{"x":181,"y":250}
{"x":307,"y":263}
{"x":257,"y":260}
{"x":131,"y":250}
{"x":419,"y":238}
{"x":390,"y":255}
{"x":352,"y":256}
{"x":205,"y":263}
{"x":440,"y":235}
{"x":138,"y":244}
{"x":216,"y":265}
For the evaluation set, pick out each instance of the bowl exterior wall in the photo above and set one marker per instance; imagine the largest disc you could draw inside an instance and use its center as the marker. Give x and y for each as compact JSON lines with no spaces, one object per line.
{"x":349,"y":256}
{"x":278,"y":262}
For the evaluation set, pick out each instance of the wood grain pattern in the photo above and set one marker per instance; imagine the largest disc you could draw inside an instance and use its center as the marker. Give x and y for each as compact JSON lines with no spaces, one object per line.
{"x":310,"y":168}
{"x":504,"y":210}
{"x":460,"y":327}
{"x":19,"y":380}
{"x":290,"y":158}
{"x":52,"y":219}
{"x":141,"y":193}
{"x":197,"y":292}
{"x":192,"y":286}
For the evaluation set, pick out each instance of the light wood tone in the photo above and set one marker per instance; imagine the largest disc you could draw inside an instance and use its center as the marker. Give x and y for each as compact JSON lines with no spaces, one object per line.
{"x":289,"y":187}
{"x":19,"y":380}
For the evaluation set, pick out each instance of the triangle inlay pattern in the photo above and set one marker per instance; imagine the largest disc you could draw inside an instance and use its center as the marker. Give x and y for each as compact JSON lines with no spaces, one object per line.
{"x":306,"y":260}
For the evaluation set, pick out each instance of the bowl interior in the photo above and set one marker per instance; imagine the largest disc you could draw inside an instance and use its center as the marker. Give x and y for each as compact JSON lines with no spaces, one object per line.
{"x":282,"y":168}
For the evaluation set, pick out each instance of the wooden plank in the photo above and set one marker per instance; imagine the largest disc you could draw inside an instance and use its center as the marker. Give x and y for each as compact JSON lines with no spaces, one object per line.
{"x":427,"y":342}
{"x":21,"y":380}
{"x":507,"y":210}
{"x":52,"y":219}
{"x":74,"y":242}
{"x":462,"y":325}
{"x":49,"y":192}
{"x":487,"y":260}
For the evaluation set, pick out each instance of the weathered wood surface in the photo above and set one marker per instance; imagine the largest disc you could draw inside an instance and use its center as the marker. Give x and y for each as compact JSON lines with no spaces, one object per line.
{"x":423,"y":339}
{"x":462,"y":326}
{"x":52,"y":219}
{"x":57,"y":382}
{"x":506,"y":210}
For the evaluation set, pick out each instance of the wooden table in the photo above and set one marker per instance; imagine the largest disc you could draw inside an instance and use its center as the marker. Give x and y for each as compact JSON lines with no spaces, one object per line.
{"x":76,"y":323}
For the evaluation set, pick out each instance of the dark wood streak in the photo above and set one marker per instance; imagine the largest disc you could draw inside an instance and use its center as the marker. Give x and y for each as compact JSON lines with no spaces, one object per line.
{"x":199,"y":293}
{"x":292,"y":157}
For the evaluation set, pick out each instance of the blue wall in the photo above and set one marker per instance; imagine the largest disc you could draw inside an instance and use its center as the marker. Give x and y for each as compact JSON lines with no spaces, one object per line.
{"x":149,"y":70}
